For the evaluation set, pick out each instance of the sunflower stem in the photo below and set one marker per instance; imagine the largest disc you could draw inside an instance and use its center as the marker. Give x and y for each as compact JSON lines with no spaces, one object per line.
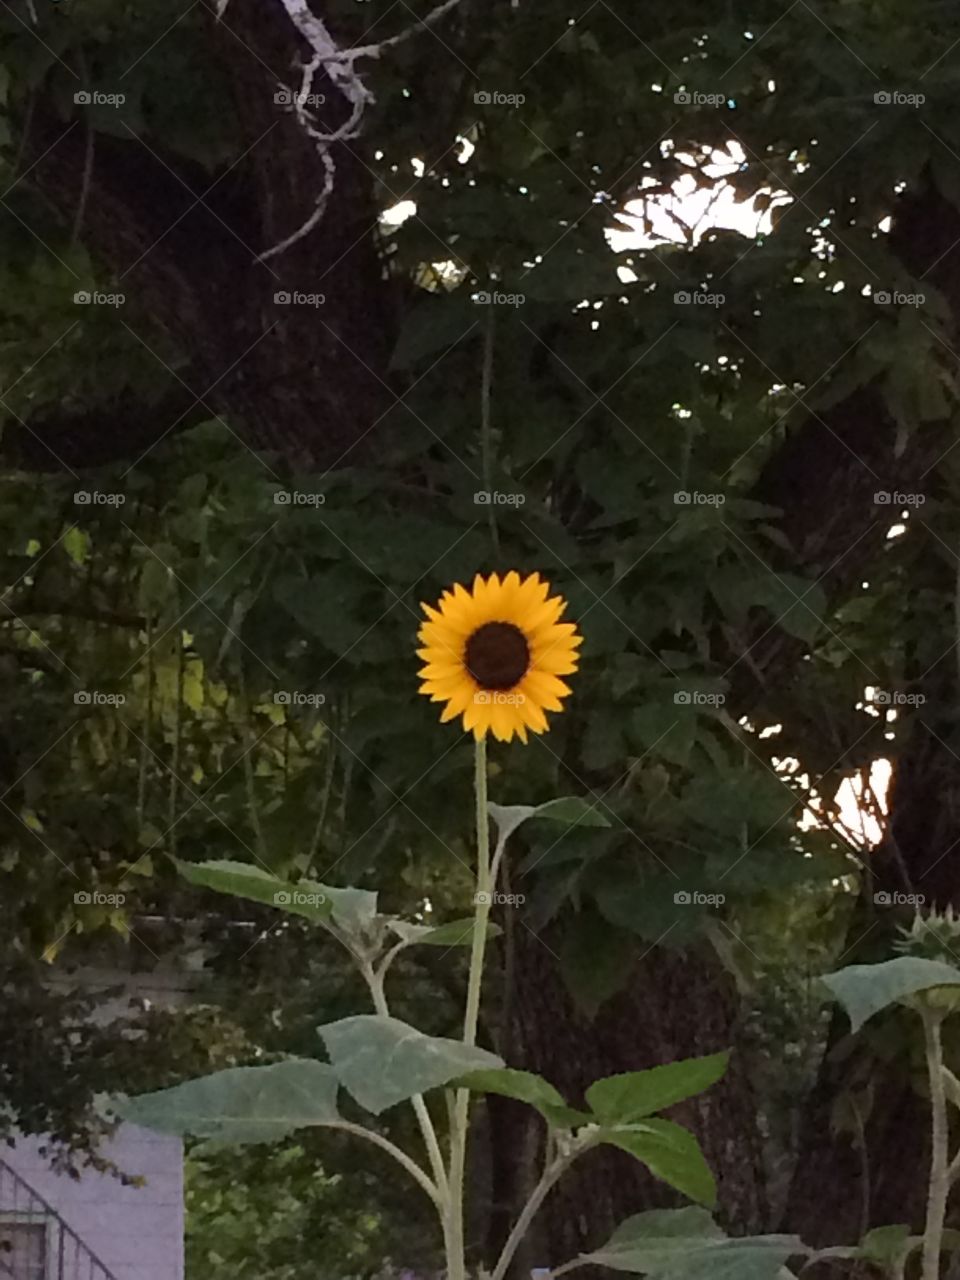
{"x":939,"y":1186}
{"x":456,"y":1261}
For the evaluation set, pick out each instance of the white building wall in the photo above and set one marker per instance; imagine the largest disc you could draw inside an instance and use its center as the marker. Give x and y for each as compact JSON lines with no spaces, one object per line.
{"x":136,"y":1232}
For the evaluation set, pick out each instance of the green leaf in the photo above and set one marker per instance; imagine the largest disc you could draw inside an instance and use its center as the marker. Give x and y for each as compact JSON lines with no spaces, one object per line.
{"x":596,"y":959}
{"x":686,"y":1244}
{"x":884,"y":1244}
{"x":573,"y":811}
{"x":77,"y":544}
{"x":799,"y":606}
{"x":634,"y":1094}
{"x":455,"y":933}
{"x":865,"y":989}
{"x":352,"y":909}
{"x":433,"y":325}
{"x":381,"y":1061}
{"x":570,"y":810}
{"x":242,"y":1104}
{"x":509,"y":817}
{"x":671,"y":1153}
{"x":530,"y":1088}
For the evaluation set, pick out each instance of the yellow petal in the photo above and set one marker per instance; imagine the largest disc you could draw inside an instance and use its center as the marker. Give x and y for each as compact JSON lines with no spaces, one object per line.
{"x":534,"y":717}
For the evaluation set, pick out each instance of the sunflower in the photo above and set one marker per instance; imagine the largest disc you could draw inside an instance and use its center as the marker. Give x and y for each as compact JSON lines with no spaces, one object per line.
{"x":495,"y":655}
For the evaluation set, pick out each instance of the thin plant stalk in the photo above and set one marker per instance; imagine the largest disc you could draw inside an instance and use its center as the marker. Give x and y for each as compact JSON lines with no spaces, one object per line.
{"x":551,"y":1175}
{"x":456,"y":1261}
{"x":375,"y":983}
{"x":939,"y":1187}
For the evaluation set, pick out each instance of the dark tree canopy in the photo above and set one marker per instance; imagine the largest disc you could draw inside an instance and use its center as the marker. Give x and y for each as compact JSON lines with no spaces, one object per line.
{"x":224,"y":497}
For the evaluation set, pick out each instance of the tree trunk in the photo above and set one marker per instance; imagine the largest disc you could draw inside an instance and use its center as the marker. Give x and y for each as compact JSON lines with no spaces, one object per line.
{"x":183,"y":245}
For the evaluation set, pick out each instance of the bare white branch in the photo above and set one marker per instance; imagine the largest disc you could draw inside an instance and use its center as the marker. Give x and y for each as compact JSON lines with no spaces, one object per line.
{"x":375,"y":50}
{"x":340,"y":66}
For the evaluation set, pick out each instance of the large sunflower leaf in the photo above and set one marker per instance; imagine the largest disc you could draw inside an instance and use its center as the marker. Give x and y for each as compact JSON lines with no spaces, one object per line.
{"x":635,"y":1094}
{"x":242,"y":1104}
{"x":381,"y":1061}
{"x":671,"y":1153}
{"x":530,"y":1088}
{"x":865,"y":989}
{"x":686,"y":1244}
{"x":350,"y":908}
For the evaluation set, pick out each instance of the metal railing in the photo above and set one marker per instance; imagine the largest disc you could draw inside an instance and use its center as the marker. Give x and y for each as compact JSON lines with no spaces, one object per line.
{"x":35,"y":1242}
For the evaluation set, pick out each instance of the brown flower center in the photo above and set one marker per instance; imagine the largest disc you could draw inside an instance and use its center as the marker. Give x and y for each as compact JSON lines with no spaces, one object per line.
{"x":497,"y":655}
